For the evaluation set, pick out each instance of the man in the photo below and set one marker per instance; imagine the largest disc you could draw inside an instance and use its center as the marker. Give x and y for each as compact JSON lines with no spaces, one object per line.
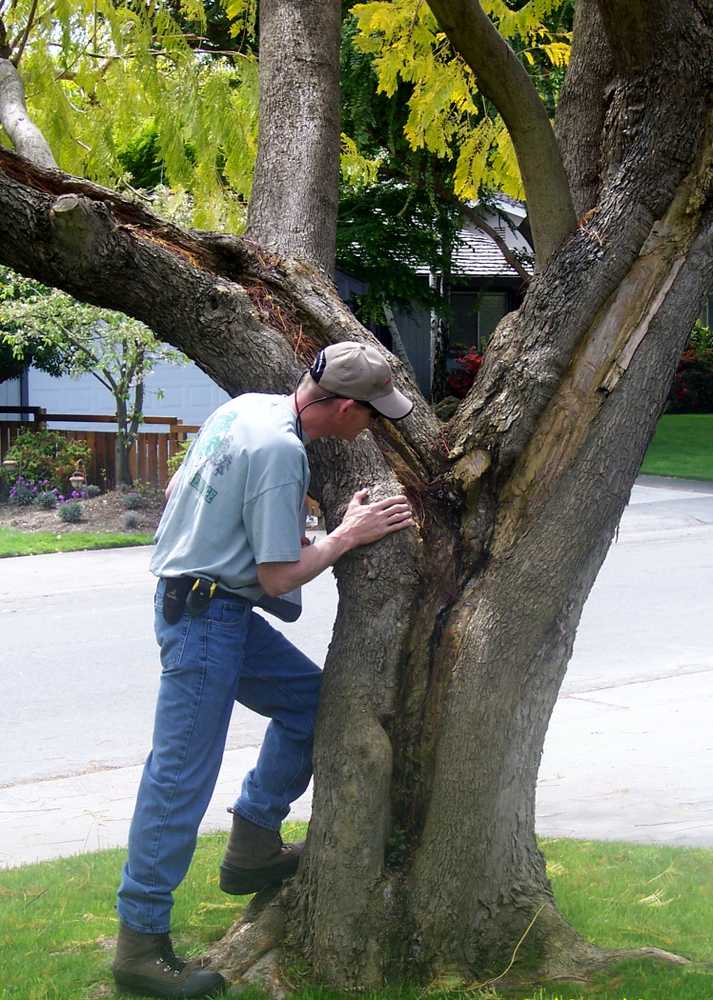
{"x":232,"y":537}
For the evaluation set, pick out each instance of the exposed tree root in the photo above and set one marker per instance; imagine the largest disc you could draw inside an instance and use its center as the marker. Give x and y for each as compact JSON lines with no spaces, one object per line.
{"x":566,"y":955}
{"x":247,"y":954}
{"x":250,"y":955}
{"x":615,"y":955}
{"x":266,"y":975}
{"x":569,"y":956}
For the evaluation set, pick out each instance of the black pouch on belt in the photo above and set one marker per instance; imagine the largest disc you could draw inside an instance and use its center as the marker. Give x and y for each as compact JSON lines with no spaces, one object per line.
{"x":174,"y":598}
{"x":199,"y":596}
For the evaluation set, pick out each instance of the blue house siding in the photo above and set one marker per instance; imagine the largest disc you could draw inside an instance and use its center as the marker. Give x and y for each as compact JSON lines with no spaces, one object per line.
{"x":10,"y":396}
{"x":189,"y":394}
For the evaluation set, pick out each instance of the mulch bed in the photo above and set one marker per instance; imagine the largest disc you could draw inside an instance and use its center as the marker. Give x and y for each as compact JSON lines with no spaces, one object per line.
{"x":103,"y":513}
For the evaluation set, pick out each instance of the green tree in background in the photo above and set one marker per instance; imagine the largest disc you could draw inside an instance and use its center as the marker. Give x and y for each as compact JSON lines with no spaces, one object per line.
{"x":15,"y":359}
{"x":78,"y":339}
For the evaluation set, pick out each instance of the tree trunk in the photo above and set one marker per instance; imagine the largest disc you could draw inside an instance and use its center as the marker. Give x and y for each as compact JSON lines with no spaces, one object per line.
{"x":122,"y":447}
{"x":293,"y":206}
{"x":451,"y":642}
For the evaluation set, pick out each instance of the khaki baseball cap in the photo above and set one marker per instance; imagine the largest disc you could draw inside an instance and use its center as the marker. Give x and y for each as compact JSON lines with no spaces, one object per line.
{"x":358,"y":371}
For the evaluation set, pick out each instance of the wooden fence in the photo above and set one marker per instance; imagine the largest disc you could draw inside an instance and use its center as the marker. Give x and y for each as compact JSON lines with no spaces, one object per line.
{"x":148,"y":459}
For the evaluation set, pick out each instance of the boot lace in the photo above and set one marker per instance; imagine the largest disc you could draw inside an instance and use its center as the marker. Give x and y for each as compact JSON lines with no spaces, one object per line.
{"x":168,"y":962}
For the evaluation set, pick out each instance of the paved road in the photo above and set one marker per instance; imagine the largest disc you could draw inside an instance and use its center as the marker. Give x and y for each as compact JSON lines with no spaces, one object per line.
{"x":628,"y":754}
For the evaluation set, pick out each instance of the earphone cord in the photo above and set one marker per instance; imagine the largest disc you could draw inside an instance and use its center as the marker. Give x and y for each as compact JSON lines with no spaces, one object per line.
{"x":300,"y":409}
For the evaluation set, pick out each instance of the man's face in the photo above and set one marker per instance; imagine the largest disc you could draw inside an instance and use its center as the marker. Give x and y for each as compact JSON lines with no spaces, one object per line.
{"x":351,"y":419}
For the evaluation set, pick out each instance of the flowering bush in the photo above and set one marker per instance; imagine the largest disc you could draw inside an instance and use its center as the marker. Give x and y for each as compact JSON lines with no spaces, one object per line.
{"x":22,"y":492}
{"x":47,"y":499}
{"x":692,"y":388}
{"x":48,"y":455}
{"x":459,"y":382}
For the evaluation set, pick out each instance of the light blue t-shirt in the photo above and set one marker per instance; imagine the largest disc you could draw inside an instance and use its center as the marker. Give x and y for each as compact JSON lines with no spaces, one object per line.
{"x":238,"y":501}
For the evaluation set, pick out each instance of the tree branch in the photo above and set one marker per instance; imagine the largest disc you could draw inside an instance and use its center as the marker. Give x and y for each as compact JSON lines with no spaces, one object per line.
{"x":4,"y":44}
{"x":505,"y":82}
{"x":17,"y":56}
{"x":224,"y":293}
{"x":509,"y":257}
{"x":101,"y":380}
{"x":72,"y":340}
{"x":582,"y":107}
{"x":26,"y":137}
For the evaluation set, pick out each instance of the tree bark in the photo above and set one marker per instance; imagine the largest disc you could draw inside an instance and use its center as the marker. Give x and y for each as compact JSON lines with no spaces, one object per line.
{"x":293,"y":206}
{"x":451,"y":642}
{"x":26,"y":137}
{"x":123,"y":446}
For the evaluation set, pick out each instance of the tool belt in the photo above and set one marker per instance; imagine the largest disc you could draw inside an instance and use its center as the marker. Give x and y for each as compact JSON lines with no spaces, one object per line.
{"x":192,"y":594}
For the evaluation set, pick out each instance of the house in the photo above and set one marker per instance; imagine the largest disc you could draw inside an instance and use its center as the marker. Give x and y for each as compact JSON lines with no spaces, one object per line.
{"x":481,"y":288}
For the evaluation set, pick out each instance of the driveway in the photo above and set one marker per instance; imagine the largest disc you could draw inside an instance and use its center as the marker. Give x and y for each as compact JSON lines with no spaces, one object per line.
{"x":628,"y":753}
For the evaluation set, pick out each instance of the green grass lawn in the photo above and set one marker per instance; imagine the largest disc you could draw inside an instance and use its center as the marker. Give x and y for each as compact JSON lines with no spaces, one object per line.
{"x":32,"y":543}
{"x":682,"y":446}
{"x":57,"y":921}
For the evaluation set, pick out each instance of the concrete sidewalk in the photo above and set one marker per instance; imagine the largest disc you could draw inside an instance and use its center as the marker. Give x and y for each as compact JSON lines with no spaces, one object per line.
{"x":92,"y":810}
{"x":628,"y":755}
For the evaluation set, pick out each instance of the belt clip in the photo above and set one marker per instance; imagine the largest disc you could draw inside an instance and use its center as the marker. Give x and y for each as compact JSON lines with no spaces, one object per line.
{"x":199,"y":596}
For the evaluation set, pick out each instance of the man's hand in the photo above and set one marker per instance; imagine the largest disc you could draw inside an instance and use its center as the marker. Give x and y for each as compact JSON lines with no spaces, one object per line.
{"x":364,"y":522}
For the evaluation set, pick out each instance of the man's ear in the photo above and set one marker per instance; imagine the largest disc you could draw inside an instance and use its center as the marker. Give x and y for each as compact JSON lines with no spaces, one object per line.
{"x":346,"y":405}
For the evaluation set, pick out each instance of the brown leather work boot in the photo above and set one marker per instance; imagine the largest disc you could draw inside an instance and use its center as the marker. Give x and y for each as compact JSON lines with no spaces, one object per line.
{"x":147,"y":964}
{"x":256,"y":858}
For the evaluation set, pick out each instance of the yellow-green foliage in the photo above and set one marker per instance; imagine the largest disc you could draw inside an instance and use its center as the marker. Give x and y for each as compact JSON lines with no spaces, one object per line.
{"x":99,"y":73}
{"x":447,"y":115}
{"x":96,"y":72}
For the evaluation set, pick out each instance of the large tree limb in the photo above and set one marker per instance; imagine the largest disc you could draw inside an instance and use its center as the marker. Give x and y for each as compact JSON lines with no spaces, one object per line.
{"x":293,"y":205}
{"x":582,"y":107}
{"x":253,"y":320}
{"x":635,"y":29}
{"x":505,"y":82}
{"x":26,"y":137}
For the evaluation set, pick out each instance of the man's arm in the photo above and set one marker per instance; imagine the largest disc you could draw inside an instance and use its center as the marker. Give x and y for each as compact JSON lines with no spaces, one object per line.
{"x":362,"y":524}
{"x":172,"y":483}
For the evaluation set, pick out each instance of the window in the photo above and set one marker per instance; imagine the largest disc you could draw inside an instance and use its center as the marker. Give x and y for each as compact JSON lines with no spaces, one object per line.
{"x":474,"y":316}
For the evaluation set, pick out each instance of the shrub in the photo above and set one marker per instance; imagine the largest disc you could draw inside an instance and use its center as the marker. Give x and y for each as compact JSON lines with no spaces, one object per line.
{"x":93,"y":491}
{"x":701,"y":338}
{"x":22,"y":492}
{"x":70,"y":512}
{"x":460,"y":381}
{"x":445,"y":408}
{"x":48,"y":455}
{"x":132,"y":501}
{"x":47,"y":499}
{"x":175,"y":461}
{"x":130,"y":521}
{"x":692,"y":387}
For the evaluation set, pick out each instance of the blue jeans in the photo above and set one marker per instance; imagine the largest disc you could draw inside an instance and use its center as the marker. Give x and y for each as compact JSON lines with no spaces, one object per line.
{"x":227,"y":654}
